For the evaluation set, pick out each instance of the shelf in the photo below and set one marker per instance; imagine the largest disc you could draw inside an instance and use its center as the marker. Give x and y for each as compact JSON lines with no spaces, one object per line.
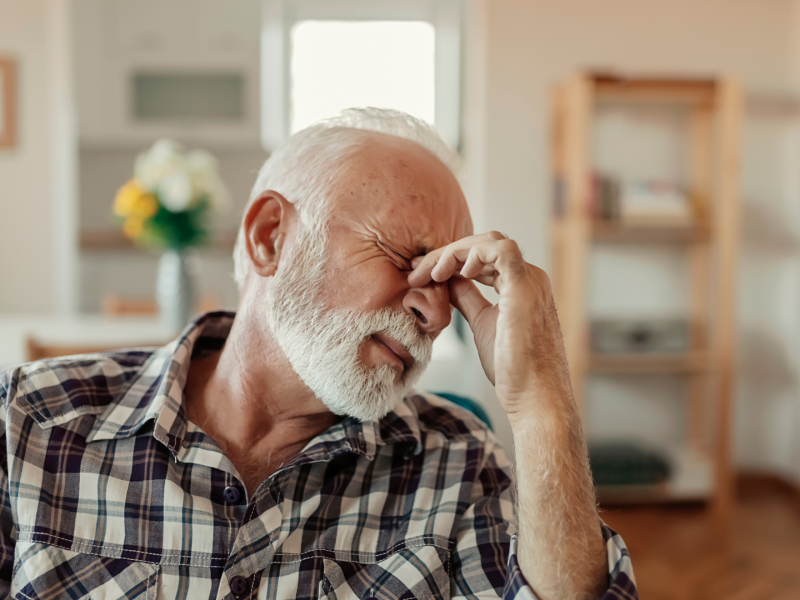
{"x":611,"y":231}
{"x":649,"y":363}
{"x":610,"y":87}
{"x":692,"y":480}
{"x":709,"y":234}
{"x":115,"y":240}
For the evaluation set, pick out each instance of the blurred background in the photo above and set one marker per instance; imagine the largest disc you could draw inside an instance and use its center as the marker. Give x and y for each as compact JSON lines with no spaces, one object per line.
{"x":645,"y":154}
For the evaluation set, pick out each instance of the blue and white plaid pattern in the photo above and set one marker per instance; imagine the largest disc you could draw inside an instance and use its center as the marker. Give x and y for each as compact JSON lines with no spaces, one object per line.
{"x":107,"y":492}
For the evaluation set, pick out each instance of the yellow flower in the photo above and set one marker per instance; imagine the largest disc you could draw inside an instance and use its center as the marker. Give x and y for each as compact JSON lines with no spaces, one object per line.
{"x":127,"y":198}
{"x":133,"y":226}
{"x":146,"y":206}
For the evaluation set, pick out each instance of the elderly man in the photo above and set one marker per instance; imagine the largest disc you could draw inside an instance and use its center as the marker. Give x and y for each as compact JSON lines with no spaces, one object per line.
{"x":280,"y":453}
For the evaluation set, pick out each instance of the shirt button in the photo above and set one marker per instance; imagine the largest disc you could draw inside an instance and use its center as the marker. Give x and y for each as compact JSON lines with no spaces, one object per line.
{"x":231,"y":494}
{"x":238,"y":585}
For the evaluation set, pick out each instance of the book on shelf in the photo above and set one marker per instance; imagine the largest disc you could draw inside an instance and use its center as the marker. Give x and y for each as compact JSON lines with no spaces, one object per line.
{"x":646,"y":203}
{"x":604,"y":197}
{"x":655,"y":203}
{"x":636,"y":204}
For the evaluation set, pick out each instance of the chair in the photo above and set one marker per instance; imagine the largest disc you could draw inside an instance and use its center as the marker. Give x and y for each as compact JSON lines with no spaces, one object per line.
{"x":468,"y":403}
{"x":207,"y":303}
{"x":114,"y":304}
{"x":34,"y":350}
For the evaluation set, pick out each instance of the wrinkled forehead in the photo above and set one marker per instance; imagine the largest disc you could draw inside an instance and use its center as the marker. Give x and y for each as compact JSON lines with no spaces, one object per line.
{"x":402,"y":190}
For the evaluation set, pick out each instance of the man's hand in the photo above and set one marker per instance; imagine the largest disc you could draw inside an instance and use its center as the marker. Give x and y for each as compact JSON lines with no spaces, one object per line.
{"x":519,"y":341}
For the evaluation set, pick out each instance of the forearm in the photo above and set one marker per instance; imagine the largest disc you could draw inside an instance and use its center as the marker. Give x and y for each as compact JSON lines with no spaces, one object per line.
{"x":560,"y":544}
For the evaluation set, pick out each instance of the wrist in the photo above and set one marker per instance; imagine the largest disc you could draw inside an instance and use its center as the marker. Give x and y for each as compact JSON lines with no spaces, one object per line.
{"x":545,"y":406}
{"x":543,"y":419}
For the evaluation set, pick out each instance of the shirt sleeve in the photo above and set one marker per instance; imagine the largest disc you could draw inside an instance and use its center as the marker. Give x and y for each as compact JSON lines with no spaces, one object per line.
{"x":621,"y":583}
{"x":484,"y":563}
{"x":7,"y":532}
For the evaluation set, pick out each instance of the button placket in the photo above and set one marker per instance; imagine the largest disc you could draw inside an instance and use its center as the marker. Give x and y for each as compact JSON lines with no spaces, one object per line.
{"x":239,"y":586}
{"x":264,"y":505}
{"x":231,"y":494}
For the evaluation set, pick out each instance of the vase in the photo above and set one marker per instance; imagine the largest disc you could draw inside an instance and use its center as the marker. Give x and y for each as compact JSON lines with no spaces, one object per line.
{"x":174,"y":292}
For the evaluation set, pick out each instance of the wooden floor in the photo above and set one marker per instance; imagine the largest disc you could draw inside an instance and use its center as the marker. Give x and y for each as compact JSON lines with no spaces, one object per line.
{"x":678,"y":553}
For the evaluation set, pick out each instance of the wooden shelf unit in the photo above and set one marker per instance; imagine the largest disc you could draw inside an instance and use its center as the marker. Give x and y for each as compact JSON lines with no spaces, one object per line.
{"x":606,"y":231}
{"x":114,"y":239}
{"x":712,"y":241}
{"x":647,"y":364}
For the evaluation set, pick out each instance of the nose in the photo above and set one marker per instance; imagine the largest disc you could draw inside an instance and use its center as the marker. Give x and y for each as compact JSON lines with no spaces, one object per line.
{"x":430,"y":305}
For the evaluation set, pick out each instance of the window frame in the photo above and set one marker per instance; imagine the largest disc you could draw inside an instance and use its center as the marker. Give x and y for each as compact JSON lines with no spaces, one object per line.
{"x":279,"y":16}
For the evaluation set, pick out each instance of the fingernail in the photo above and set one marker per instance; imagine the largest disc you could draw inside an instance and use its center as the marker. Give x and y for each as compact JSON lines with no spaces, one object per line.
{"x":415,"y":262}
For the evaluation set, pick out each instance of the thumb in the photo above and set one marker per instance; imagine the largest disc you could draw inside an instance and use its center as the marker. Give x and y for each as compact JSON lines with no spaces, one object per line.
{"x":467,"y":298}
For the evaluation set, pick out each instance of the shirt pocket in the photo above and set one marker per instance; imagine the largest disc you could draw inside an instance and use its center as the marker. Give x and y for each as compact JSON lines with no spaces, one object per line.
{"x":45,"y":572}
{"x":420,"y":572}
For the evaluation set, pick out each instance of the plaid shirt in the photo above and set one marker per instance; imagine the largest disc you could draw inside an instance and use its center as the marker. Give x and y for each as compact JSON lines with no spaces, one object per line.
{"x":107,"y":491}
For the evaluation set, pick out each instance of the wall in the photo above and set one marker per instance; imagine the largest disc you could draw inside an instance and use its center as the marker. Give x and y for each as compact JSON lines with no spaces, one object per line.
{"x":529,"y":46}
{"x":113,"y":40}
{"x":26,"y":250}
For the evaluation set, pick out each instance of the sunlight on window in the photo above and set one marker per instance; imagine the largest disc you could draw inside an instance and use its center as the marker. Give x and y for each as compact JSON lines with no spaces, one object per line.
{"x":342,"y":64}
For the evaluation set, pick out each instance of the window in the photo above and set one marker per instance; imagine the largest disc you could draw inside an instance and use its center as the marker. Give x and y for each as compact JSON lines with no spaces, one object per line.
{"x":330,"y":70}
{"x":318,"y":57}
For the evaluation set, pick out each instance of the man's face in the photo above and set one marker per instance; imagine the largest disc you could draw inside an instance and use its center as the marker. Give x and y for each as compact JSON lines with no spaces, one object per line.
{"x":354,"y":330}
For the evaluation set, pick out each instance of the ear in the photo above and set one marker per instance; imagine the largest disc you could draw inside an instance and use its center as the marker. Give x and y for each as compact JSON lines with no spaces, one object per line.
{"x":267,"y":221}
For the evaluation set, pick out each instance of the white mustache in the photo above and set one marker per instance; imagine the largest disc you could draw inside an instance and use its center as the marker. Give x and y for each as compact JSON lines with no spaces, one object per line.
{"x":401,"y":327}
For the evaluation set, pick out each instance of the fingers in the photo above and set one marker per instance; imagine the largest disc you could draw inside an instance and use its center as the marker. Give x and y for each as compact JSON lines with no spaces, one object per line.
{"x":442,"y":263}
{"x":478,"y":257}
{"x":479,"y":261}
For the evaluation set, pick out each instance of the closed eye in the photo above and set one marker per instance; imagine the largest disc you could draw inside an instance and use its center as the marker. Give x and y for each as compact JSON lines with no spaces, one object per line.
{"x":406,"y":262}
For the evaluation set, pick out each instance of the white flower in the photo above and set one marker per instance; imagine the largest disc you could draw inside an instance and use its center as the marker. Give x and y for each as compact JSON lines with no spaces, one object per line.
{"x":163,"y":150}
{"x":179,"y":178}
{"x":164,"y":157}
{"x":175,"y":191}
{"x":204,"y":173}
{"x":200,"y":161}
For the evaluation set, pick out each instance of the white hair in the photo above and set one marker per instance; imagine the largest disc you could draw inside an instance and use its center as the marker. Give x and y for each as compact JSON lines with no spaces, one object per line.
{"x":304,"y":169}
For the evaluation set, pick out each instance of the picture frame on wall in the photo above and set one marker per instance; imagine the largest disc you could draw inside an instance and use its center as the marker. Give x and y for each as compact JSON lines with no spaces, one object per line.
{"x":8,"y":103}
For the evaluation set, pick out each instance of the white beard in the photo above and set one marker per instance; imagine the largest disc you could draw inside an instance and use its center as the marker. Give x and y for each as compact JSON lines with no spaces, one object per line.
{"x":322,"y":343}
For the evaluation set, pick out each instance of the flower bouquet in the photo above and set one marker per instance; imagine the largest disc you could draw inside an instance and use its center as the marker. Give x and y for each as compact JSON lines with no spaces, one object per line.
{"x":166,"y":206}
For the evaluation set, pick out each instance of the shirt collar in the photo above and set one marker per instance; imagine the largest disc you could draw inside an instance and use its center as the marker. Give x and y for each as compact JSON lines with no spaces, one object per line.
{"x":156,"y":394}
